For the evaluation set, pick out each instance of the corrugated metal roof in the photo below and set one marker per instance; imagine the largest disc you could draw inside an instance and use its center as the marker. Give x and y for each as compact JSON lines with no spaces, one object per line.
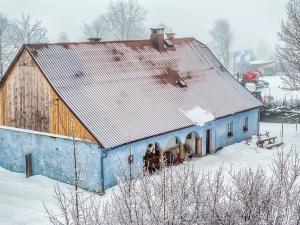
{"x":128,"y":87}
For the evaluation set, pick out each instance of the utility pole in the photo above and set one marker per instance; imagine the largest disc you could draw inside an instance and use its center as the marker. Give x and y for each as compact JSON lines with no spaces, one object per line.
{"x":130,"y":159}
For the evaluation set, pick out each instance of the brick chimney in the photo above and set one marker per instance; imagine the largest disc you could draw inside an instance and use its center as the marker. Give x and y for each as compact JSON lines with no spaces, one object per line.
{"x":158,"y":37}
{"x":170,"y":36}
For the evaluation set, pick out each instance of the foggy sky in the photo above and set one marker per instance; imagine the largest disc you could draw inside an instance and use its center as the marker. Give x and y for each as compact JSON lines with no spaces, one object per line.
{"x":252,"y":21}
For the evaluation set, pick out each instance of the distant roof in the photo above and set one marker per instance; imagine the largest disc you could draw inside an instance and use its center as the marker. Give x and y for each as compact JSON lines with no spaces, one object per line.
{"x":260,"y":62}
{"x":127,"y":90}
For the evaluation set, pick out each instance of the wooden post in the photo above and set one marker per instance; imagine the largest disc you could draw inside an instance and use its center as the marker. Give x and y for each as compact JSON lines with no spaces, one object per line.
{"x":161,"y":160}
{"x":198,"y":147}
{"x":181,"y":152}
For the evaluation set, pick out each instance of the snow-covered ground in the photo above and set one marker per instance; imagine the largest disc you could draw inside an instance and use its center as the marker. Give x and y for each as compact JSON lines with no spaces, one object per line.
{"x":276,"y":91}
{"x":21,"y":199}
{"x":244,"y":155}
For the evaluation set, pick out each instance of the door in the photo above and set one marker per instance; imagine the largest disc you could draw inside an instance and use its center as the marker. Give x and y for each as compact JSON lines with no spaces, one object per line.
{"x":208,"y":137}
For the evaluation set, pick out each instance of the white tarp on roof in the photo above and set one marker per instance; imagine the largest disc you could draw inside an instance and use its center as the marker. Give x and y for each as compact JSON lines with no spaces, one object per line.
{"x":198,"y":115}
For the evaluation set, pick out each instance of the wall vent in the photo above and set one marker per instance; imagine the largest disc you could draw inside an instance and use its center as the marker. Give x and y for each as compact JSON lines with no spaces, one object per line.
{"x":182,"y":83}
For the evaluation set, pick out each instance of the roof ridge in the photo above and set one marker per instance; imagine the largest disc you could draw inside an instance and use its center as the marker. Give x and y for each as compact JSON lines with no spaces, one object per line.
{"x":102,"y":42}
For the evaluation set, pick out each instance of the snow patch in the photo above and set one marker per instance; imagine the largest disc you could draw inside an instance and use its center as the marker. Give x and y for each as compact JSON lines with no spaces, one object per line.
{"x":275,"y":90}
{"x":198,"y":115}
{"x":21,"y":198}
{"x":260,"y":62}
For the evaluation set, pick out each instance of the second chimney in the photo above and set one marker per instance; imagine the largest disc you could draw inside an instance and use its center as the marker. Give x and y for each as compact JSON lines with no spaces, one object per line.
{"x":171,"y":36}
{"x":158,"y":37}
{"x":94,"y":39}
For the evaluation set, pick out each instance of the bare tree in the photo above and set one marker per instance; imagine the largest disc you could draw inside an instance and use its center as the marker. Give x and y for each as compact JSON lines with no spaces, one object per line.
{"x":263,"y":50}
{"x":167,"y":28}
{"x":289,"y":47}
{"x":97,"y":29}
{"x":126,"y":18}
{"x":222,"y":36}
{"x":28,"y":30}
{"x":184,"y":196}
{"x":76,"y":206}
{"x":7,"y":46}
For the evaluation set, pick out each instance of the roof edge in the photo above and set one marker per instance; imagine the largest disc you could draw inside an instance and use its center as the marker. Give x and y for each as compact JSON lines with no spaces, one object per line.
{"x":7,"y":72}
{"x":33,"y":58}
{"x":232,"y":77}
{"x":169,"y":131}
{"x":11,"y":66}
{"x":104,"y":42}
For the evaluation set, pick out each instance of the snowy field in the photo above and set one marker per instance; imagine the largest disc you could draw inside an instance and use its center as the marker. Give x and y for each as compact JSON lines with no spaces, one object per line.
{"x":276,"y":91}
{"x":21,"y":199}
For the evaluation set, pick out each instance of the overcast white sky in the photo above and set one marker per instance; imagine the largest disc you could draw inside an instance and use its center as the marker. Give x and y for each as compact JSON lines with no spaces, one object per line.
{"x":252,"y":20}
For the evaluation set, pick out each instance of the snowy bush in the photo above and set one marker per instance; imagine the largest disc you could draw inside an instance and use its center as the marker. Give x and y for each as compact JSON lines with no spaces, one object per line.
{"x":182,"y":195}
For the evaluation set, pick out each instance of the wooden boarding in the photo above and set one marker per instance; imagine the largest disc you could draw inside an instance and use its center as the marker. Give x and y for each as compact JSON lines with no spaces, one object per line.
{"x":274,"y":145}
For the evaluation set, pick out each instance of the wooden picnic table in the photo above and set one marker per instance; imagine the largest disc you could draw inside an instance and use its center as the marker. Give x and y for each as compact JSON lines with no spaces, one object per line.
{"x":261,"y":142}
{"x":274,"y":145}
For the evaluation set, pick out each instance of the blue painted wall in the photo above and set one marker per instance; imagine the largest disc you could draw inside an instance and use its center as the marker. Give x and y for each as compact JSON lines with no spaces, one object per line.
{"x":52,"y":156}
{"x":219,"y":138}
{"x":49,"y":151}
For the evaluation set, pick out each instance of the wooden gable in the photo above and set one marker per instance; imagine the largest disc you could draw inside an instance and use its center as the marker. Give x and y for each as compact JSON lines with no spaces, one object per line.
{"x":28,"y":101}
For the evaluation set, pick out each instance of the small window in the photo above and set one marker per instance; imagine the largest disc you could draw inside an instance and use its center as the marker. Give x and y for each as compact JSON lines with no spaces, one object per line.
{"x":230,"y":129}
{"x":245,"y":127}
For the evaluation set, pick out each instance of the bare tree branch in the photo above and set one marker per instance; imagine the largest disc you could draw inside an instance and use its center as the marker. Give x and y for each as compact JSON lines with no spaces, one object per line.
{"x":222,"y":39}
{"x":126,"y":18}
{"x":97,"y":29}
{"x":7,"y":47}
{"x":288,"y":49}
{"x":27,"y":30}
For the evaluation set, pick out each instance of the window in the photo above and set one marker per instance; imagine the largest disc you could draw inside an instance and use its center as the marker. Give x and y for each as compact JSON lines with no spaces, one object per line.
{"x":230,"y":129}
{"x":245,"y":127}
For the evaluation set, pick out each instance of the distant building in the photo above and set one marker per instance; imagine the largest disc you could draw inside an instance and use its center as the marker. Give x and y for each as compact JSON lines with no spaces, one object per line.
{"x":265,"y":68}
{"x":168,"y":97}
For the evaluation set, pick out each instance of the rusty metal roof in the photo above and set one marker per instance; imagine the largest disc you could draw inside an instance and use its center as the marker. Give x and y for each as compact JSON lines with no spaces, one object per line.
{"x":127,"y":89}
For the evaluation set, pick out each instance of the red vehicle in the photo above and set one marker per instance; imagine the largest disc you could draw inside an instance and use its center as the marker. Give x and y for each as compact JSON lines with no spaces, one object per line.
{"x":250,"y":77}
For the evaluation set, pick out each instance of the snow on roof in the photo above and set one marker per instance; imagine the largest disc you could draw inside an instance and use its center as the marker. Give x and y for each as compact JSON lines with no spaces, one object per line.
{"x":114,"y":87}
{"x":260,"y":62}
{"x":198,"y":115}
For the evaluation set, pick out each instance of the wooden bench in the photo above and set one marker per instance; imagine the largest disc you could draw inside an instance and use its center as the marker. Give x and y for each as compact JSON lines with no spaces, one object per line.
{"x":261,"y":142}
{"x":274,"y":145}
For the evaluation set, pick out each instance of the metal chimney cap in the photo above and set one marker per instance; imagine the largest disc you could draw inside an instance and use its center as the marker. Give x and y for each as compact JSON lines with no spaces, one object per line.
{"x":94,"y":39}
{"x":156,"y":30}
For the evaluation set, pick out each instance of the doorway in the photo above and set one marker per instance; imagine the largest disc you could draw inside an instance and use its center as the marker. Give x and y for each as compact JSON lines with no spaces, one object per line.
{"x":208,"y":141}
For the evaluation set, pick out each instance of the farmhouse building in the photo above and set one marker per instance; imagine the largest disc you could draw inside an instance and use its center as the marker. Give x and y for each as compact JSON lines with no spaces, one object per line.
{"x":162,"y":98}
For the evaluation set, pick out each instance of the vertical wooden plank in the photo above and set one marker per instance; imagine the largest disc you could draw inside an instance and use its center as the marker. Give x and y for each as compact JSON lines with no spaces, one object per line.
{"x":4,"y":105}
{"x":23,"y":98}
{"x":34,"y":101}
